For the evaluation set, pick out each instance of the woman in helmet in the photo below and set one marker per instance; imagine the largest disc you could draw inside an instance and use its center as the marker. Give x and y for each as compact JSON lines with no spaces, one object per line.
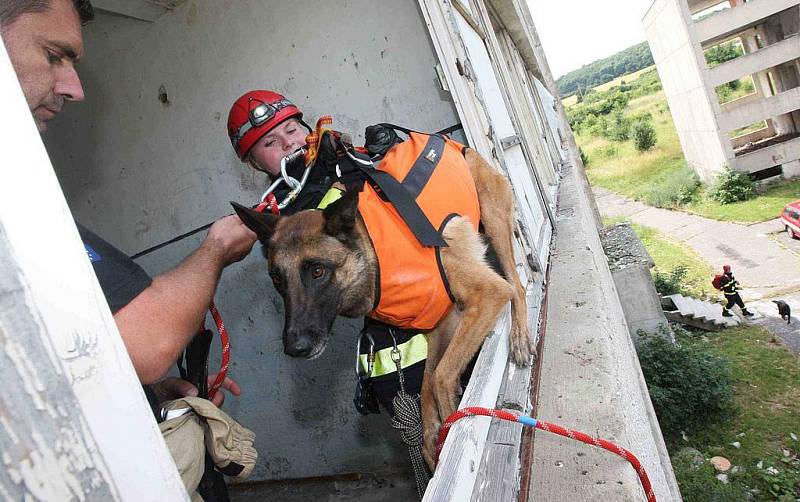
{"x":264,"y":127}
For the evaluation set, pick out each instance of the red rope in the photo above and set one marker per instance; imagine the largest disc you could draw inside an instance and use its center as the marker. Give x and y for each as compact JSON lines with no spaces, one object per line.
{"x":271,"y":203}
{"x":226,"y":351}
{"x":555,"y":429}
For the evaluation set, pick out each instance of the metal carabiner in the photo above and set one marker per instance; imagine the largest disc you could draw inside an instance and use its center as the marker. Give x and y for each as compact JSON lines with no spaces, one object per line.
{"x":370,"y":355}
{"x":295,"y":185}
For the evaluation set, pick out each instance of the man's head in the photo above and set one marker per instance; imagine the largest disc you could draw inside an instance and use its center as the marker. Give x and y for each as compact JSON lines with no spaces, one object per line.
{"x":726,"y":269}
{"x":264,"y":127}
{"x":44,"y":42}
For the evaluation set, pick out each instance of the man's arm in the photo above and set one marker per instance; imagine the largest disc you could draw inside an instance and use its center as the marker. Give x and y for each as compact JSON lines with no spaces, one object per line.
{"x":161,"y":321}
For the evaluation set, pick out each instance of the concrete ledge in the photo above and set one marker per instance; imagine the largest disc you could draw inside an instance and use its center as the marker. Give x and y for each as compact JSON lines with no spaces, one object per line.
{"x":144,"y":10}
{"x":590,"y":376}
{"x":774,"y":155}
{"x":739,"y":18}
{"x":784,"y":102}
{"x":763,"y":59}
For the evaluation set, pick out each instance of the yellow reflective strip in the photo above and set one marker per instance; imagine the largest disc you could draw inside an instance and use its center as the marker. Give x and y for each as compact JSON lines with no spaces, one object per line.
{"x":332,"y":195}
{"x":412,"y":352}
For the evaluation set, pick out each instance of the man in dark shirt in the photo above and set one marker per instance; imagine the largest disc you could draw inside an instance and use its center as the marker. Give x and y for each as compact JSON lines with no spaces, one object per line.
{"x":156,"y":318}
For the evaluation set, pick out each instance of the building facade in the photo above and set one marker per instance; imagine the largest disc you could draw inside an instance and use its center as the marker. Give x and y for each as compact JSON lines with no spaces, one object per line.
{"x":757,"y":133}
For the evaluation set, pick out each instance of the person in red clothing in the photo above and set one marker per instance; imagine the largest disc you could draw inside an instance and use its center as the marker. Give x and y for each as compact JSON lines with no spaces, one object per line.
{"x":730,"y":289}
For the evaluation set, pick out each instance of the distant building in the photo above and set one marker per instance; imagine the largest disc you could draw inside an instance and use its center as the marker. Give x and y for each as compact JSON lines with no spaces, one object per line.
{"x":713,"y":134}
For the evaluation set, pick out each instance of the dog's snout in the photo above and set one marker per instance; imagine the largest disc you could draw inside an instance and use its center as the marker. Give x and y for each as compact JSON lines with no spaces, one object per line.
{"x":297,"y":345}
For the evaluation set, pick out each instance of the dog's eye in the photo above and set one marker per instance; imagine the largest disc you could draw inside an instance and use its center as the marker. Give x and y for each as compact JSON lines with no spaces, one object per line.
{"x":317,"y":272}
{"x":276,"y":279}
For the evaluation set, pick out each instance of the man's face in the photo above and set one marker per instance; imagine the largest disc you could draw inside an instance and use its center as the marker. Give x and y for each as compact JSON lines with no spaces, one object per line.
{"x":43,"y":48}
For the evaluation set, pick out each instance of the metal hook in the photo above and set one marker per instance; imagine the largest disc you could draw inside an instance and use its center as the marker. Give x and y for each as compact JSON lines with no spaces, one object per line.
{"x":295,"y":185}
{"x":370,"y":355}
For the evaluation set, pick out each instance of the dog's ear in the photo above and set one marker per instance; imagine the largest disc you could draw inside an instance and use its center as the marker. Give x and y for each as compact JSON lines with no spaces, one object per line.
{"x":263,"y":224}
{"x":340,"y":216}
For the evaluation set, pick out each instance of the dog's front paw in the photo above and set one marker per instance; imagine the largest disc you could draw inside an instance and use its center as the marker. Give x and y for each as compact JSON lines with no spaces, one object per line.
{"x":522,"y":347}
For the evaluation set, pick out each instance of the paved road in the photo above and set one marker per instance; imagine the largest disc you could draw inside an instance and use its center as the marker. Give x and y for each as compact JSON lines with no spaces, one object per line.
{"x":790,"y":333}
{"x":764,"y":259}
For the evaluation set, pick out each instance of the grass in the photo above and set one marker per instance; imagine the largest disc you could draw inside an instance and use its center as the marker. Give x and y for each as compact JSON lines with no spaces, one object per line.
{"x":668,"y":253}
{"x":766,"y":206}
{"x":619,"y":167}
{"x":768,"y":397}
{"x":767,"y":388}
{"x":631,"y":172}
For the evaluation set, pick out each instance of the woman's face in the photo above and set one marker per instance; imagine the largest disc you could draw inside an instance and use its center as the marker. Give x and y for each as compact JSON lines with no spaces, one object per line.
{"x":284,"y":139}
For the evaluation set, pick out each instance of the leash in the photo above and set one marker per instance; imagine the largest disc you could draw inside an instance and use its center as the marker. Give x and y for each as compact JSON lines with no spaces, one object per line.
{"x":270,"y":202}
{"x":549,"y":427}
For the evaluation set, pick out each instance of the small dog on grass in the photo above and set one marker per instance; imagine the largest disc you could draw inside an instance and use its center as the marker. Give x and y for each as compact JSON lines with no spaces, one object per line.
{"x":784,"y":310}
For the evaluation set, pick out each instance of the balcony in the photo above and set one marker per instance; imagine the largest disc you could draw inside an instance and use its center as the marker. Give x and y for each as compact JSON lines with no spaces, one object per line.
{"x":770,"y":156}
{"x":763,"y":59}
{"x":749,"y":113}
{"x":725,"y":24}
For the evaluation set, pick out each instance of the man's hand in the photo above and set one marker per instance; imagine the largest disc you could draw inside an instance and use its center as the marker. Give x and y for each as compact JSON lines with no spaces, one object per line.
{"x":175,"y":388}
{"x":231,"y":237}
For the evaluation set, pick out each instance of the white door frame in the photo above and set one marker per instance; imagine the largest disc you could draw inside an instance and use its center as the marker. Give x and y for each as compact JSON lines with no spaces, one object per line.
{"x":74,"y":421}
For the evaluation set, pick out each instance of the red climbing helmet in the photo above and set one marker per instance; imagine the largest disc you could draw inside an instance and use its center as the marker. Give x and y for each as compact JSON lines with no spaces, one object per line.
{"x":255,"y":114}
{"x":726,"y":268}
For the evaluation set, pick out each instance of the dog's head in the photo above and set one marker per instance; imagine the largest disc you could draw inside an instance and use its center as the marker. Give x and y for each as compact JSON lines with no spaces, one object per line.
{"x":320,"y":264}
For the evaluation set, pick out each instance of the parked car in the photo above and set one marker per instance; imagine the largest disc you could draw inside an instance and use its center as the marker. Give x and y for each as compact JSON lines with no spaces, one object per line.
{"x":790,"y":217}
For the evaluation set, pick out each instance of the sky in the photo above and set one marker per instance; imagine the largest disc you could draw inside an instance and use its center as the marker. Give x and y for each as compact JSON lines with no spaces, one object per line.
{"x":577,"y":32}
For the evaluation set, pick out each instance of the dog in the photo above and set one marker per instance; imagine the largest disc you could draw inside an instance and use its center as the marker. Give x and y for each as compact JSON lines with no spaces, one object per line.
{"x":323,"y":263}
{"x":784,"y":310}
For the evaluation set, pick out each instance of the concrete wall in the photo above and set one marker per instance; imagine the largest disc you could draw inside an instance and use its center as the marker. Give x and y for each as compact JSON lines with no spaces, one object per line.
{"x":140,"y":171}
{"x":678,"y":60}
{"x":590,"y":376}
{"x":639,"y":300}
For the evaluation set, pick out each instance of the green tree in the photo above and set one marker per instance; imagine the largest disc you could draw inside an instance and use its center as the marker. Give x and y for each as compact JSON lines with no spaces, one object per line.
{"x":644,"y":135}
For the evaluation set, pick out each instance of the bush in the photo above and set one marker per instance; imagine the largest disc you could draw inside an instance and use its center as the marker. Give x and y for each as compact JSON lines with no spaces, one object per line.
{"x":690,"y":387}
{"x":732,"y":186}
{"x":673,"y":190}
{"x":619,"y":128}
{"x":671,"y":283}
{"x":607,"y":151}
{"x":644,"y":135}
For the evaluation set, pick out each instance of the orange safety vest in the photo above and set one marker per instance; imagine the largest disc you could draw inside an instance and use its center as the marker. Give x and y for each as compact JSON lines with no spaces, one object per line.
{"x":412,"y":290}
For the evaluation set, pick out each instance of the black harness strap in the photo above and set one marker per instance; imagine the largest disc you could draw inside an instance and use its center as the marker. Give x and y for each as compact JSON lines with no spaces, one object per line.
{"x":423,"y":167}
{"x":446,"y":130}
{"x":395,"y":193}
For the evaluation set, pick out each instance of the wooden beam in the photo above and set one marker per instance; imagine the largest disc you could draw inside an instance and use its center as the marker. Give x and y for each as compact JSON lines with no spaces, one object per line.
{"x":74,"y":421}
{"x":500,"y":469}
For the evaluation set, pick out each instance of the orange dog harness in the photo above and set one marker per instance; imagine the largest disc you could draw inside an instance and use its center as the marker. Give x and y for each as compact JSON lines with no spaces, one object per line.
{"x":412,"y":290}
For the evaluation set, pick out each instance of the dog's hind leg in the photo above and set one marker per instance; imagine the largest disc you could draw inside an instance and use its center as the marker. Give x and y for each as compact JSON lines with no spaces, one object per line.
{"x":497,"y":215}
{"x":480,"y":294}
{"x":438,"y":339}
